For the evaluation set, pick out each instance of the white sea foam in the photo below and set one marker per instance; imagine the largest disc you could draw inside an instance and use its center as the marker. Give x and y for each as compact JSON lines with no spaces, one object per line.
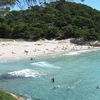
{"x":55,"y":87}
{"x":28,"y":97}
{"x":26,"y":73}
{"x":44,"y":64}
{"x":3,"y":61}
{"x":74,"y":85}
{"x":71,"y":87}
{"x":73,"y":53}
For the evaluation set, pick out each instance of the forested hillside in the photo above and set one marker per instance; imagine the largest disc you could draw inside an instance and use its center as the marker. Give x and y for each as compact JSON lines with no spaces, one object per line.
{"x":59,"y":20}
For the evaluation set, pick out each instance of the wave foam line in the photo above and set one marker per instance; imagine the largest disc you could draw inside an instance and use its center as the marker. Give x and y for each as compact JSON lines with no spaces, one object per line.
{"x":44,"y":64}
{"x":26,"y":73}
{"x":73,"y":53}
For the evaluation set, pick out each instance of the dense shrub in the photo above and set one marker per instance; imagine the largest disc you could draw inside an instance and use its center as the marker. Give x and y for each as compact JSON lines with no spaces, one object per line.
{"x":59,"y":20}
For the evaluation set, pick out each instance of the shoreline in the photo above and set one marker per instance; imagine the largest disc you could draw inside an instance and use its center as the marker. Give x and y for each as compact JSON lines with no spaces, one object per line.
{"x":17,"y":50}
{"x":17,"y":97}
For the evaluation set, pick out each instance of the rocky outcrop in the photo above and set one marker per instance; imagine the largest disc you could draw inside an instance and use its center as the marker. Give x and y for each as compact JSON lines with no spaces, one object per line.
{"x":78,"y":41}
{"x":94,"y":43}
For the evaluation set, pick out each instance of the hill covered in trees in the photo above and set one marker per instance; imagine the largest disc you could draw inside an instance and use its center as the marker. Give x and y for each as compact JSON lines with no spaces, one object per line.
{"x":56,"y":20}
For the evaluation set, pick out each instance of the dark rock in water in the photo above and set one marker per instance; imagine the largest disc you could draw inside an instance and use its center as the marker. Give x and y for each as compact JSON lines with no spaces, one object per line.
{"x":8,"y":77}
{"x":78,"y":41}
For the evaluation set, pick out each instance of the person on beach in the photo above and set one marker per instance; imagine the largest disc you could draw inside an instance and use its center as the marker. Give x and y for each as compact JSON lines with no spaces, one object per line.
{"x":13,"y":52}
{"x":26,"y":52}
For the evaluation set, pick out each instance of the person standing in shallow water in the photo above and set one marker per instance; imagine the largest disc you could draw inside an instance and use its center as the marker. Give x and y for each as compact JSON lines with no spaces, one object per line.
{"x":52,"y":79}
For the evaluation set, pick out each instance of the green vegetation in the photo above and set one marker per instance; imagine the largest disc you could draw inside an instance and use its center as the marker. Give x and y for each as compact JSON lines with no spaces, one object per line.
{"x":56,"y":20}
{"x":6,"y":96}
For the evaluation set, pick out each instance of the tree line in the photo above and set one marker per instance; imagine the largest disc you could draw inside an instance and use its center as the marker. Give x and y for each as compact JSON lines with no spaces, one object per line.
{"x":56,"y":20}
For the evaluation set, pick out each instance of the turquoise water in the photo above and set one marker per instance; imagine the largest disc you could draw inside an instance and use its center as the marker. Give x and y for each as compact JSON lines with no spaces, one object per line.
{"x":76,"y":77}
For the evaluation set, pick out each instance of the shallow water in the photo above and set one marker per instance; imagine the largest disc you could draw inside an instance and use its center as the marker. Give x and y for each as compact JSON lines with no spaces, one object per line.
{"x":76,"y":77}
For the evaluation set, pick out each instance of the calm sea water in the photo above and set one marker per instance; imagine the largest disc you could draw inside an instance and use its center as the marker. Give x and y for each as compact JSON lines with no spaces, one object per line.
{"x":76,"y":77}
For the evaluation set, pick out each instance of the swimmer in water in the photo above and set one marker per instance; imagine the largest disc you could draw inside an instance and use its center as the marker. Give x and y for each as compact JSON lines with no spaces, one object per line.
{"x":31,"y":59}
{"x":97,"y":87}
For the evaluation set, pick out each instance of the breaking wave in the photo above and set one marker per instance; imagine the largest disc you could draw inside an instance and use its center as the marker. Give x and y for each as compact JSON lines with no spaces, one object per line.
{"x":25,"y":73}
{"x":44,"y":64}
{"x":73,"y":53}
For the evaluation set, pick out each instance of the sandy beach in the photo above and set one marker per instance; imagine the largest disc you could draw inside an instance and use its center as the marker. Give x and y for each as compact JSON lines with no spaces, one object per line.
{"x":19,"y":49}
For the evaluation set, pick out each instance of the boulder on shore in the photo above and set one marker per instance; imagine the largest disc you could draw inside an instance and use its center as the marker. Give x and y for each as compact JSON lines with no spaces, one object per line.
{"x":94,"y":43}
{"x":78,"y":41}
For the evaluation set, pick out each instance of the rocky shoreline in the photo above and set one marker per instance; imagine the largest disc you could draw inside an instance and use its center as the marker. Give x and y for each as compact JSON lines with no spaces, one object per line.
{"x":4,"y":95}
{"x":17,"y":97}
